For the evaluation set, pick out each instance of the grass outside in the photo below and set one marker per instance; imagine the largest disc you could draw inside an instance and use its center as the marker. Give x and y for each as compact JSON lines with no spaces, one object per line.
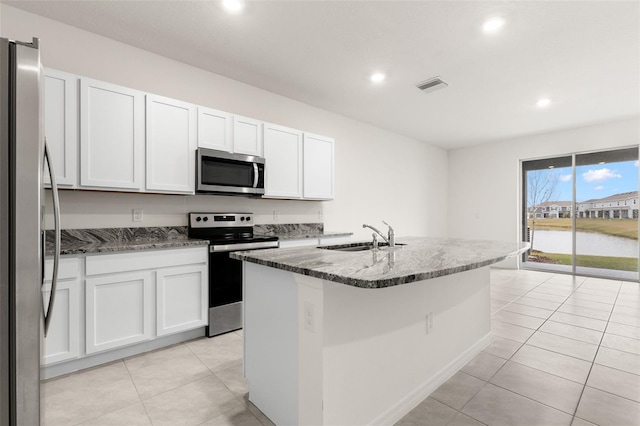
{"x":626,"y":228}
{"x":600,"y":262}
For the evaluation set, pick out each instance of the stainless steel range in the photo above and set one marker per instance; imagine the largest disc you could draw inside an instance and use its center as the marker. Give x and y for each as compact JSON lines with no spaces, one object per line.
{"x":226,"y":232}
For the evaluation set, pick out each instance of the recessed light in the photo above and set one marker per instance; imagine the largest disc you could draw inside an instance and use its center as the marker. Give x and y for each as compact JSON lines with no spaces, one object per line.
{"x":233,"y":6}
{"x":493,"y":25}
{"x":543,"y":103}
{"x":378,"y":77}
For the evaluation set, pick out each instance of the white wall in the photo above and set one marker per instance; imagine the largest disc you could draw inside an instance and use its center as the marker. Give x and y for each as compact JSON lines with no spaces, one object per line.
{"x":379,"y":175}
{"x":484,"y":180}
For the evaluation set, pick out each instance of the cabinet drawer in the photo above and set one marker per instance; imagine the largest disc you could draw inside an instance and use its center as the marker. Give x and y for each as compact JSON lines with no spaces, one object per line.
{"x":69,"y":267}
{"x":144,"y":259}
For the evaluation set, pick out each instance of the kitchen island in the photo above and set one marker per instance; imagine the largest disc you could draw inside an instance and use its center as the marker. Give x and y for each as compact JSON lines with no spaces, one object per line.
{"x":341,"y":337}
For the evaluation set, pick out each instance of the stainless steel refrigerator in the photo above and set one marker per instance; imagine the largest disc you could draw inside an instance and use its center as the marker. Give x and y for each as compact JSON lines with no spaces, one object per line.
{"x":24,"y":318}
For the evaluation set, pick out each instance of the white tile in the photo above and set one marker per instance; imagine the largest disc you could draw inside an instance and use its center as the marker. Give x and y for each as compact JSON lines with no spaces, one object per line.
{"x":518,"y":319}
{"x":606,"y":409}
{"x":497,"y":406}
{"x":483,"y":366}
{"x":579,"y":321}
{"x":540,"y":386}
{"x":563,"y":345}
{"x":554,"y":363}
{"x":458,"y":390}
{"x":503,"y":348}
{"x":617,"y":382}
{"x":572,"y":332}
{"x":528,"y":310}
{"x":624,"y":361}
{"x":621,"y":343}
{"x":511,"y":331}
{"x":584,"y":312}
{"x":623,"y":330}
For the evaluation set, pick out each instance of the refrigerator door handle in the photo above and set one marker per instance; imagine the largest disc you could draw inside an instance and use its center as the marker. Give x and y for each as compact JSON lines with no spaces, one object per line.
{"x":56,"y":253}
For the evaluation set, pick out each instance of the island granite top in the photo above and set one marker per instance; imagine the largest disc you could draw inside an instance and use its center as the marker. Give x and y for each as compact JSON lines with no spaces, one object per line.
{"x":417,"y":259}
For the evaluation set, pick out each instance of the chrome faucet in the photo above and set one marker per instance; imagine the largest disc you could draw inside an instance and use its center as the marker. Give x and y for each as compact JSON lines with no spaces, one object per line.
{"x":389,"y":239}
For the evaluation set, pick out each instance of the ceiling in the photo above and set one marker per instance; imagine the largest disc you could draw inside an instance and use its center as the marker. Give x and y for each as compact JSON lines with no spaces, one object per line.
{"x":583,"y":55}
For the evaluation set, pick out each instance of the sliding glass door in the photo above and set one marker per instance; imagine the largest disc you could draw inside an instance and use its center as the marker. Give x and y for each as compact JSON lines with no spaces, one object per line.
{"x":580,"y":213}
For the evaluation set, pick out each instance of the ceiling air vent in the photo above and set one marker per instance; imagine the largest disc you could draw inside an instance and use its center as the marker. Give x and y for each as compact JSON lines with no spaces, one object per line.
{"x":432,"y":85}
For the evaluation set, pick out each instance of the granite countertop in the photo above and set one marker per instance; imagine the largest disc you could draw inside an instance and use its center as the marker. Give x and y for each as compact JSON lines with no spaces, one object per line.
{"x":419,"y":259}
{"x":297,"y":231}
{"x":111,"y":240}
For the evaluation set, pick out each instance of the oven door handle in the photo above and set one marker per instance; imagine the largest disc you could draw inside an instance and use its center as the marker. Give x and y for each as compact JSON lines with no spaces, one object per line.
{"x":255,"y":175}
{"x":242,"y":246}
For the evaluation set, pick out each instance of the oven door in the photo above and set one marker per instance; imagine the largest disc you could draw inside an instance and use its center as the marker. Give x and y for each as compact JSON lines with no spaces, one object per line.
{"x":225,"y":286}
{"x":223,"y":172}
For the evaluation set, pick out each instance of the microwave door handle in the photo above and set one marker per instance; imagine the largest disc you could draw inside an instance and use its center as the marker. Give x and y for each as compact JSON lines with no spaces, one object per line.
{"x":255,"y":175}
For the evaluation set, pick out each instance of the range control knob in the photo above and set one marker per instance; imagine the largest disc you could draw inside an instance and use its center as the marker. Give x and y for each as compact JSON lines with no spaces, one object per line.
{"x":248,"y":218}
{"x":198,"y":219}
{"x":206,"y":218}
{"x":242,"y":219}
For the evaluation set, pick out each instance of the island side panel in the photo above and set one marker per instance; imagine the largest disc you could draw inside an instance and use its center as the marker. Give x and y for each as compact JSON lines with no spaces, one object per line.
{"x":379,"y":362}
{"x":271,"y":341}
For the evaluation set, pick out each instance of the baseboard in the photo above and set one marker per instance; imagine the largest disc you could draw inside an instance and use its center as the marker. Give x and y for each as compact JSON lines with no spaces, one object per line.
{"x":89,"y":361}
{"x":414,"y":398}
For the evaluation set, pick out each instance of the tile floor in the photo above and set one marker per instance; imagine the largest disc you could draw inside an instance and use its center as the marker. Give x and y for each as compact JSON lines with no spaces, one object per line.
{"x":566,"y":351}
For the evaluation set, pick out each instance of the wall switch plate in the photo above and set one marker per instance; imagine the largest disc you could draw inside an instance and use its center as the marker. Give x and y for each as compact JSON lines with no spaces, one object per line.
{"x":429,"y":322}
{"x":138,"y":215}
{"x":276,"y":215}
{"x":319,"y":214}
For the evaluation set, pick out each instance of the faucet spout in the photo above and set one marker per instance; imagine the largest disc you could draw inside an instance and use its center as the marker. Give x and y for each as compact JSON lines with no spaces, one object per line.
{"x":389,"y":239}
{"x":376,"y":231}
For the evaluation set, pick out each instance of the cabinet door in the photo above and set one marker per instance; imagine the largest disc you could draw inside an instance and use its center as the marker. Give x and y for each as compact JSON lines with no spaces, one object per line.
{"x":63,"y":339}
{"x":182,"y":299}
{"x":61,"y":125}
{"x":118,"y":310}
{"x":318,"y":167}
{"x":111,"y":136}
{"x":171,"y":144}
{"x":283,"y":162}
{"x":247,"y":136}
{"x":215,"y":129}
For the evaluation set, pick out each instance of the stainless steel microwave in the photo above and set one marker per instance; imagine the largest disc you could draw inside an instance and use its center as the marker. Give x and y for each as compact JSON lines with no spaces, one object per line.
{"x":220,"y":172}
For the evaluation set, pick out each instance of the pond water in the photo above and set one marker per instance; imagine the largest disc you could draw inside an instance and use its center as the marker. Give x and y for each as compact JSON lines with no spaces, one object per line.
{"x":590,"y":243}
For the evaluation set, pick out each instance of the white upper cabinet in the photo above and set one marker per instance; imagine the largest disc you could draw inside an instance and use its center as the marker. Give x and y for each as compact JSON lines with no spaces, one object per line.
{"x":215,"y":129}
{"x":283,"y":162}
{"x":171,"y":145}
{"x":61,"y":125}
{"x":111,"y":136}
{"x":318,"y":167}
{"x":247,"y":136}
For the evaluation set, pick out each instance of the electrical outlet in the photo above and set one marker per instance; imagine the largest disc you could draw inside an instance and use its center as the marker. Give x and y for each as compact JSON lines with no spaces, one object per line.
{"x":319,"y":214}
{"x":429,"y":322}
{"x":309,"y":317}
{"x":276,"y":215}
{"x":138,"y":215}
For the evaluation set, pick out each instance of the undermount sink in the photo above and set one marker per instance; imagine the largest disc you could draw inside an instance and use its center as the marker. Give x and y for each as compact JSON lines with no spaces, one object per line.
{"x":358,"y":246}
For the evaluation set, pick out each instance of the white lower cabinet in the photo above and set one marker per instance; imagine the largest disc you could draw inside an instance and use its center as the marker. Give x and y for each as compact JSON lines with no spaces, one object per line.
{"x":181,"y":299}
{"x":111,"y":301}
{"x":62,"y":342}
{"x":118,"y":309}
